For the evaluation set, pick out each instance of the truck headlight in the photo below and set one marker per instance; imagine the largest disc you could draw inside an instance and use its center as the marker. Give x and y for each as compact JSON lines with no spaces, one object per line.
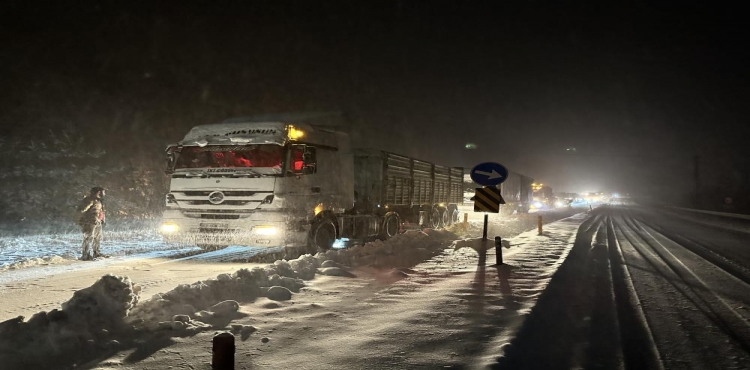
{"x":169,"y":228}
{"x":264,"y":230}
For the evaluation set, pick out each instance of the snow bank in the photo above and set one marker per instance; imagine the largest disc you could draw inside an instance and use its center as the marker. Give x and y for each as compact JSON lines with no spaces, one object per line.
{"x":36,"y":261}
{"x":108,"y":313}
{"x":195,"y":300}
{"x":245,"y":285}
{"x":478,"y":244}
{"x":403,"y":250}
{"x":90,"y":318}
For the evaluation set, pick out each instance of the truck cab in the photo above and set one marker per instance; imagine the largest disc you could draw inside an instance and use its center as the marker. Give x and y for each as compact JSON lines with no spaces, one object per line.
{"x":255,"y":183}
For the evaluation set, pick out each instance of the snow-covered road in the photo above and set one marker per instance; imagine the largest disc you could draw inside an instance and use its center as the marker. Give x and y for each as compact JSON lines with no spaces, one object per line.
{"x":692,"y":281}
{"x":643,"y":288}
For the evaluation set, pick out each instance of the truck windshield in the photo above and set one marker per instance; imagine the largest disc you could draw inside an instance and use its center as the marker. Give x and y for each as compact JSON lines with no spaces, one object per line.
{"x":245,"y":156}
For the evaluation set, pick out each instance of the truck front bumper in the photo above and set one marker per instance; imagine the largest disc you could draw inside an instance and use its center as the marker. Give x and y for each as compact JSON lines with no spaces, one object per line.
{"x":261,"y":229}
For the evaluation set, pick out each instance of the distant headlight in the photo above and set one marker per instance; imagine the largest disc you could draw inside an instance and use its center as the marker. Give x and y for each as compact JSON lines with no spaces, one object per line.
{"x":264,"y":230}
{"x":559,"y":204}
{"x":169,"y":228}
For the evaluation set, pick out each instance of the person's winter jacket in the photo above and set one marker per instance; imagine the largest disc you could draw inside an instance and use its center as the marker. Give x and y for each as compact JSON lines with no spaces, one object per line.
{"x":92,"y":211}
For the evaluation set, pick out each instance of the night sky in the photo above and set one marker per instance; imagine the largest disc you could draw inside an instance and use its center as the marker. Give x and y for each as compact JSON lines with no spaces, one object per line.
{"x":638,"y":90}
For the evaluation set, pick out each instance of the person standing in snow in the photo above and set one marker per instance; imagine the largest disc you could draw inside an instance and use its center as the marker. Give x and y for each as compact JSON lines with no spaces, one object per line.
{"x":91,"y":221}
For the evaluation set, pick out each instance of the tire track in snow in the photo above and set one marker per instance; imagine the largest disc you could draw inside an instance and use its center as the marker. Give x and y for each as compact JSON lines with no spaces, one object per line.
{"x":560,"y":324}
{"x":708,"y":250}
{"x":638,"y":346}
{"x":228,"y":254}
{"x":667,"y":284}
{"x":735,"y":324}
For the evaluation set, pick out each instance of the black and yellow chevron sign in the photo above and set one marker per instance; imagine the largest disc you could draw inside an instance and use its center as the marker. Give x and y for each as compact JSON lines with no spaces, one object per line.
{"x":488,"y":199}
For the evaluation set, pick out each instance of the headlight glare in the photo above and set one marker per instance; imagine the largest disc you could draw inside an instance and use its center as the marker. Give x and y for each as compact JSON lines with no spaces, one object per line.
{"x":264,"y":230}
{"x":169,"y":228}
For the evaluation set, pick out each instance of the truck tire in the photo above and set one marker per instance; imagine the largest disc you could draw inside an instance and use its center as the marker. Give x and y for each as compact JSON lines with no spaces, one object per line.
{"x":323,"y":234}
{"x":445,"y":218}
{"x":435,"y":218}
{"x":391,"y":226}
{"x":454,"y":214}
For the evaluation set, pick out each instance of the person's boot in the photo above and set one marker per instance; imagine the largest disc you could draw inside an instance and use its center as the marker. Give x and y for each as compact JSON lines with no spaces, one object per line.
{"x":97,"y":254}
{"x":85,"y":255}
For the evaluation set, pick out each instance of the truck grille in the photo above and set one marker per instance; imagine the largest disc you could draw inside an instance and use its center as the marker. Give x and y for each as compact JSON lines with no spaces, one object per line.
{"x":226,"y":202}
{"x":217,"y":214}
{"x":229,"y":193}
{"x":234,"y":205}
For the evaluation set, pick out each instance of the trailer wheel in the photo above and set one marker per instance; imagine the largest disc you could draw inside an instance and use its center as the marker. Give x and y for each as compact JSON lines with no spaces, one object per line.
{"x":451,"y":216}
{"x":454,"y":214}
{"x":323,"y":234}
{"x":435,"y":218}
{"x":445,"y":218}
{"x":391,"y":226}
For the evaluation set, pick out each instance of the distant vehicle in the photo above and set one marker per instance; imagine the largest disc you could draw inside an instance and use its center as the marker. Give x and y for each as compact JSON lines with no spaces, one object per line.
{"x":543,"y":196}
{"x":289,"y":183}
{"x":516,"y":191}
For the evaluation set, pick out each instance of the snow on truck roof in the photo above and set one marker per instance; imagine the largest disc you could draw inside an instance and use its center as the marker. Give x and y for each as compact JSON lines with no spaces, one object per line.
{"x":238,"y":131}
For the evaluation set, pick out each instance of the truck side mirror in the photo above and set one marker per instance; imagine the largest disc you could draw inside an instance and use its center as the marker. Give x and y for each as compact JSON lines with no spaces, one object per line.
{"x":172,"y":153}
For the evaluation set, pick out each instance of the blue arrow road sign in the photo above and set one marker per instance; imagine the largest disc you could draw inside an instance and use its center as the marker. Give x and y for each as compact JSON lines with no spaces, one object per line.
{"x":489,"y":173}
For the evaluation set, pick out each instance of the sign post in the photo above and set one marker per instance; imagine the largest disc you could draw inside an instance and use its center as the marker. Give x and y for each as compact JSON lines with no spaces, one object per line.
{"x":488,"y":198}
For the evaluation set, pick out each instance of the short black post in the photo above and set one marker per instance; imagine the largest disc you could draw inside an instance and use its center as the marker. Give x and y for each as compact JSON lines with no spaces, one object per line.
{"x":483,"y":252}
{"x":223,"y":352}
{"x":484,"y":231}
{"x":498,"y":250}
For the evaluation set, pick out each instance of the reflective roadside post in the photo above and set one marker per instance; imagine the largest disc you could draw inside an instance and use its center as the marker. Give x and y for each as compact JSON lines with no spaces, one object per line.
{"x":223,"y":352}
{"x":539,"y":224}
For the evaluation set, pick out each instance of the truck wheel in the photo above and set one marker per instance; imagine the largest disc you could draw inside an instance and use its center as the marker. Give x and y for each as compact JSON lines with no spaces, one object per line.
{"x":446,"y":218}
{"x":323,"y":234}
{"x":435,"y":218}
{"x":455,"y":214}
{"x":391,"y":226}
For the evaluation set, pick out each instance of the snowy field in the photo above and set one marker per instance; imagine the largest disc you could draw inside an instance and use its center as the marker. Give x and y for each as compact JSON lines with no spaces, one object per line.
{"x":35,"y":250}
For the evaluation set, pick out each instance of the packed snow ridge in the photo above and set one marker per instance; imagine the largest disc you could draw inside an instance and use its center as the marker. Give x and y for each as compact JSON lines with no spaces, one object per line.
{"x":109,"y":316}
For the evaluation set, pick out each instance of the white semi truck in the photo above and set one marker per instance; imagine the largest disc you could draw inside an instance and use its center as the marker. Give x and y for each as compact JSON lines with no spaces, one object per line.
{"x":282,"y":183}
